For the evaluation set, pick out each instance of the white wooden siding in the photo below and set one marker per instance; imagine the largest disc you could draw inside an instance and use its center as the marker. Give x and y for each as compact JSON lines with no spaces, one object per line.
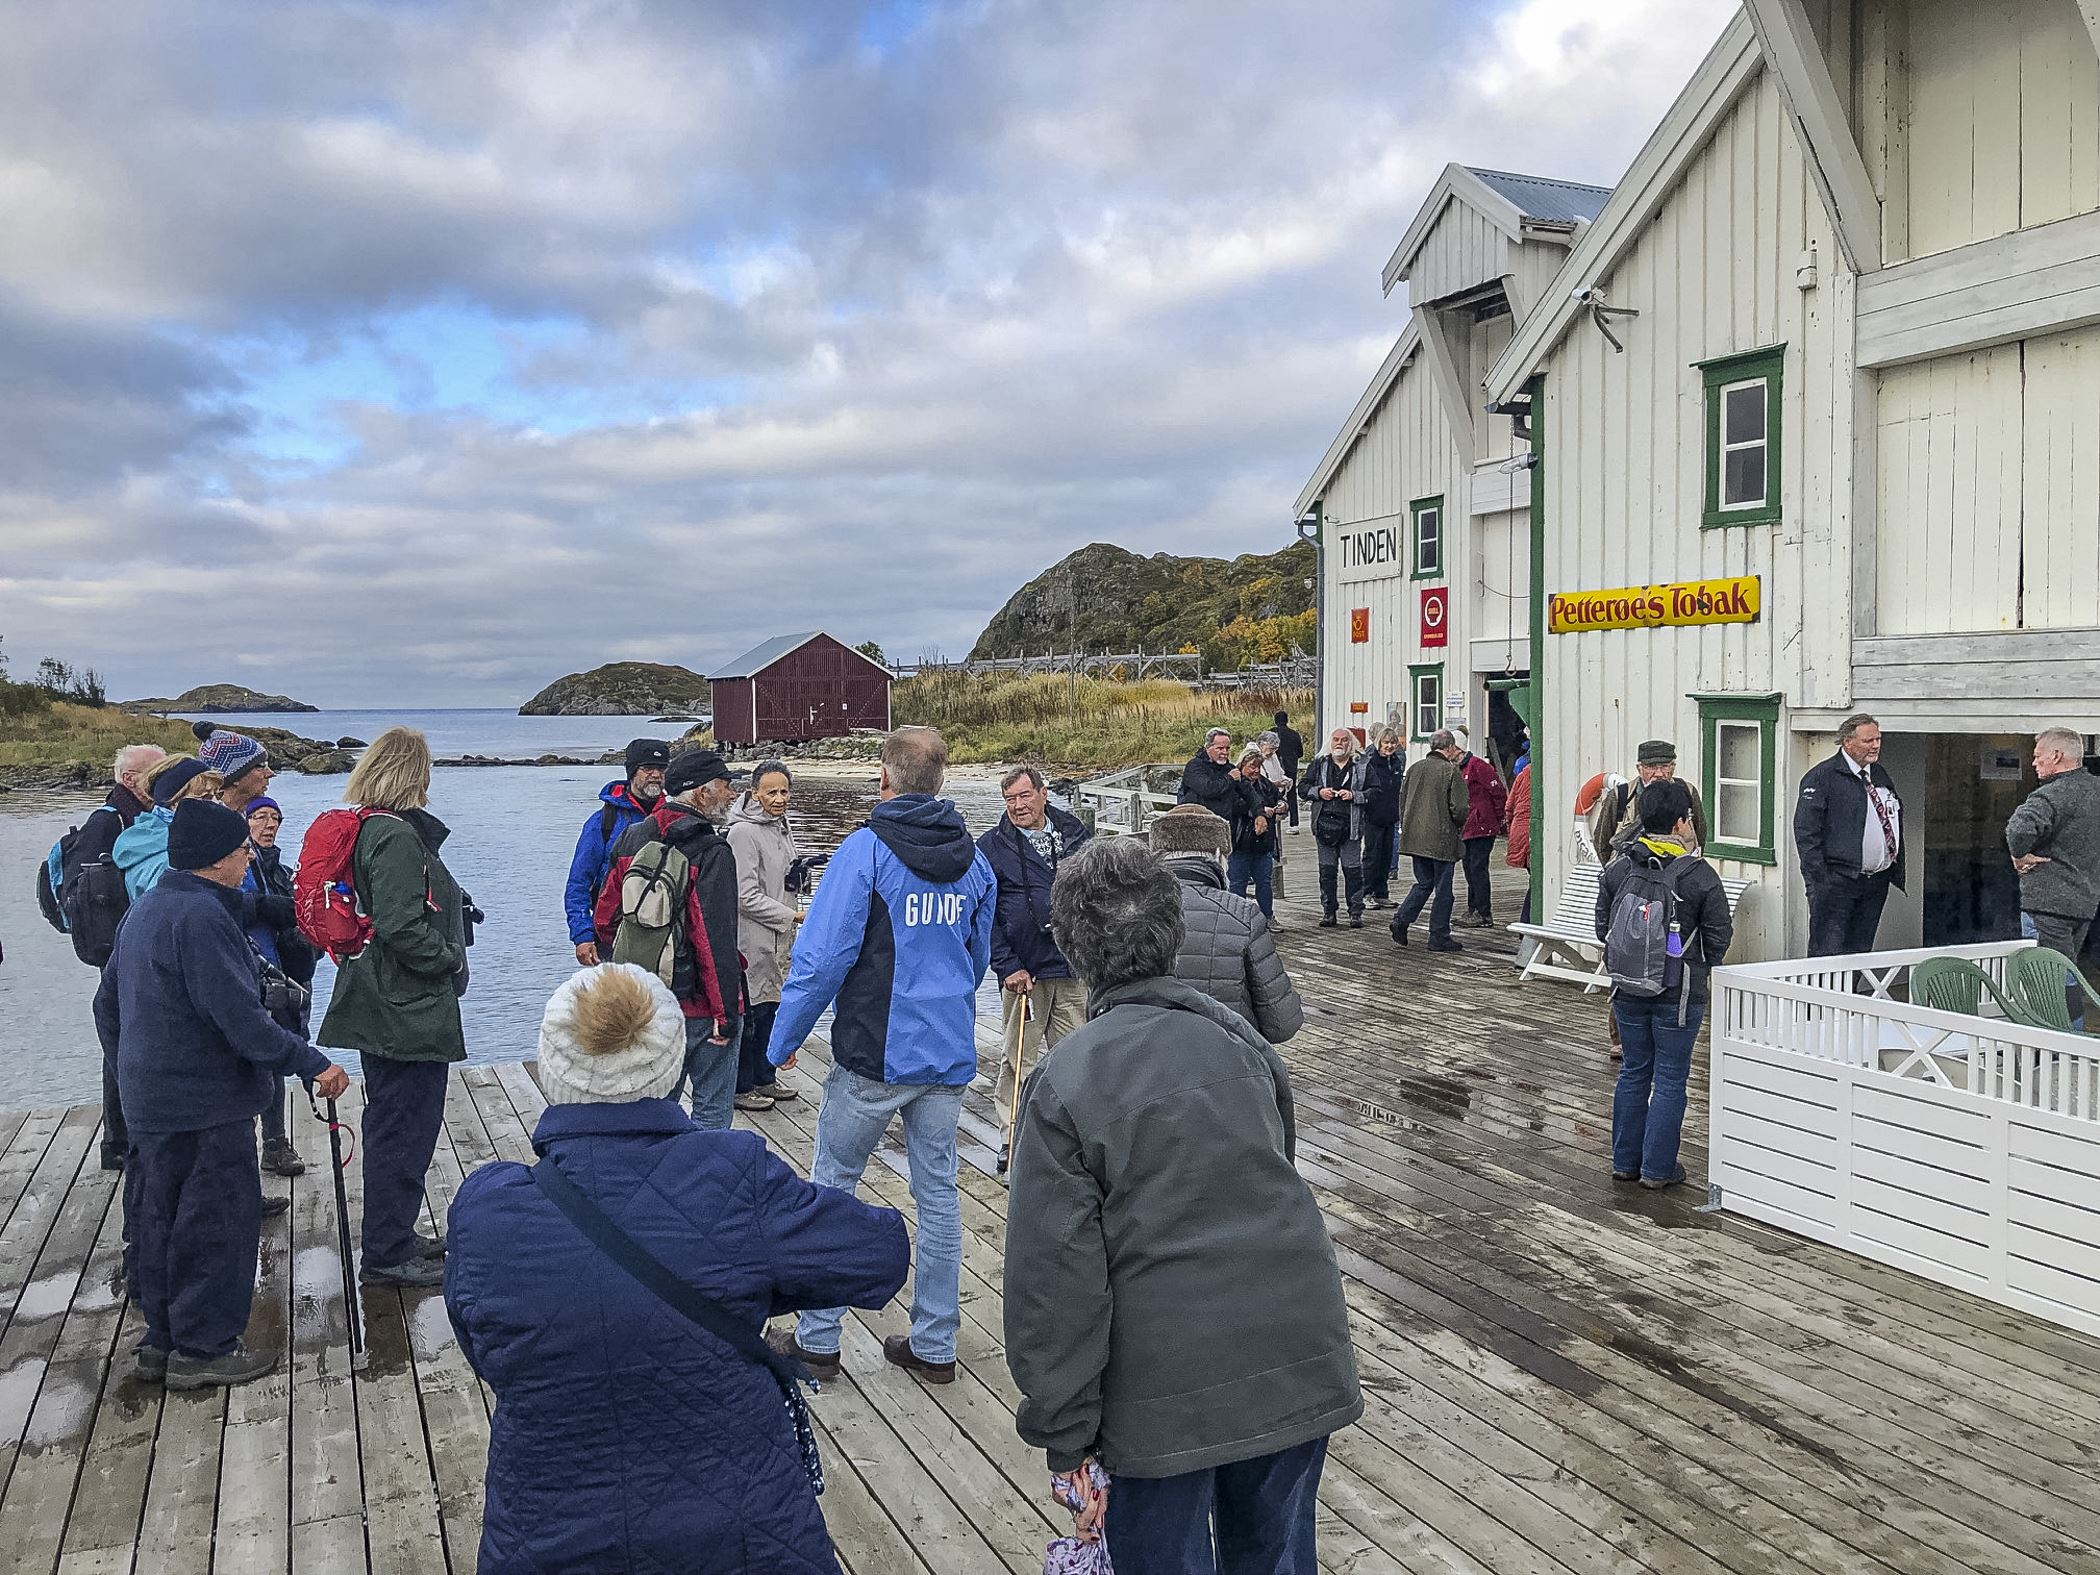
{"x":1500,"y":628}
{"x":1462,"y":251}
{"x":1976,"y":119}
{"x":1992,"y":292}
{"x":1495,"y":435}
{"x":1989,"y":477}
{"x":1712,"y":274}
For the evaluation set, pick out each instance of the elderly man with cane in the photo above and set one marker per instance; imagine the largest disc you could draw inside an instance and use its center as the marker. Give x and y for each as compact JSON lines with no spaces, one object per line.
{"x":198,"y":1056}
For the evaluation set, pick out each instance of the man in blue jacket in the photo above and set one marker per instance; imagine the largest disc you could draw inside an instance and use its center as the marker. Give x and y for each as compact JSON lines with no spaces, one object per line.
{"x":621,"y":805}
{"x":1042,"y":1001}
{"x":899,"y":935}
{"x":198,"y":1057}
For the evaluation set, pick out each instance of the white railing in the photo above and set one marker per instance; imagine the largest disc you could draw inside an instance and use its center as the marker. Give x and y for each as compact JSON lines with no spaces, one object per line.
{"x":1123,"y":802}
{"x":1962,"y":1148}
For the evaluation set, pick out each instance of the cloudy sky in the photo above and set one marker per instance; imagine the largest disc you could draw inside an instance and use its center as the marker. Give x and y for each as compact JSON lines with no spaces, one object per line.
{"x":397,"y":352}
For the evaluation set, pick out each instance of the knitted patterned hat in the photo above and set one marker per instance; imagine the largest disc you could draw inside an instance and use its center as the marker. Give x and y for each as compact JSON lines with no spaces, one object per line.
{"x":611,"y":1034}
{"x":229,"y":754}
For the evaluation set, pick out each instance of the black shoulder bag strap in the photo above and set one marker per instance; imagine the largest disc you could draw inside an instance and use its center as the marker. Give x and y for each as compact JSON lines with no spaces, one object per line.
{"x":687,"y":1300}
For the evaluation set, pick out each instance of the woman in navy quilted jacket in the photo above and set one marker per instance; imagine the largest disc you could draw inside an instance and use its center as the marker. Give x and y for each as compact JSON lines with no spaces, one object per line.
{"x":625,"y":1437}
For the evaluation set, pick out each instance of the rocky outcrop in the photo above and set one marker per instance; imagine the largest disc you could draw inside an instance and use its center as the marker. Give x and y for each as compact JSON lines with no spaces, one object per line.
{"x":622,"y":689}
{"x":217,"y":699}
{"x":323,"y":762}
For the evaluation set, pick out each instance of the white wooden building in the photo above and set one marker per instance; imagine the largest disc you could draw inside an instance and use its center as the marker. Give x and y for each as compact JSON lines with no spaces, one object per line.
{"x":1423,"y":497}
{"x":1856,"y":273}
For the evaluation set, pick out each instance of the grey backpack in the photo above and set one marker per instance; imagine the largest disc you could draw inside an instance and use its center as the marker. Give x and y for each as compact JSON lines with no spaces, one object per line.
{"x":1637,"y":944}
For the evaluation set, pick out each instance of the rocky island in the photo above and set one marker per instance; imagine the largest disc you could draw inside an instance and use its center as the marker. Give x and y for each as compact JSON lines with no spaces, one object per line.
{"x":622,"y":689}
{"x":217,"y":700}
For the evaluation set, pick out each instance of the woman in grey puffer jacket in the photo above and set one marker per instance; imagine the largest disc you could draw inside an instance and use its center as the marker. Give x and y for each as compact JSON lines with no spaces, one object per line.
{"x":1227,"y":951}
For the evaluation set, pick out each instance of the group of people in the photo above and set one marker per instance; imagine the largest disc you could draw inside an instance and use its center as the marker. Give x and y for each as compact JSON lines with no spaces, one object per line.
{"x":1368,"y":809}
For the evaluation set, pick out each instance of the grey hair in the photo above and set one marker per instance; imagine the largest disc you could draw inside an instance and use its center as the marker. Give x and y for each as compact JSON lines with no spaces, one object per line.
{"x":134,"y":757}
{"x":1115,"y":912}
{"x":1393,"y":733}
{"x":916,"y":759}
{"x":1268,"y":738}
{"x":1033,"y":777}
{"x":2062,"y":741}
{"x":767,"y":768}
{"x":1442,"y":739}
{"x":1217,"y":732}
{"x":1853,"y":724}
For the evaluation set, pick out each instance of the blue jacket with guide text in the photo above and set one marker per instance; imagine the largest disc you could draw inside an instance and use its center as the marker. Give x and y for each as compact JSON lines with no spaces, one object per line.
{"x":594,"y":857}
{"x":899,"y":934}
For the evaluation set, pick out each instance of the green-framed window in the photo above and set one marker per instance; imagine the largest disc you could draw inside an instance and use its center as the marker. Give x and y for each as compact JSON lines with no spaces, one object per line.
{"x":1425,"y":700}
{"x":1739,"y":756}
{"x":1427,"y":538}
{"x":1742,"y":437}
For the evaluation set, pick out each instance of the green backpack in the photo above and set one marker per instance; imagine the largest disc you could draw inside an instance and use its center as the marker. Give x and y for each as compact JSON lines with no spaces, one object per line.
{"x":652,"y":902}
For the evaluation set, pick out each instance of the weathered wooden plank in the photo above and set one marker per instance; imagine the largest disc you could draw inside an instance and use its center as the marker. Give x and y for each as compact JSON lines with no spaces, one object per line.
{"x":326,"y":1479}
{"x":182,"y":1494}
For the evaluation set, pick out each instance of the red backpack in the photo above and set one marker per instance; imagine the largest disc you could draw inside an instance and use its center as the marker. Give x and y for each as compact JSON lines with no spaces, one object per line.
{"x":324,"y":897}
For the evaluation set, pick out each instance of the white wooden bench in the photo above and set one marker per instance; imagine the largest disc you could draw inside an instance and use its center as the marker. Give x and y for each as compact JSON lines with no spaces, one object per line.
{"x":1566,"y":946}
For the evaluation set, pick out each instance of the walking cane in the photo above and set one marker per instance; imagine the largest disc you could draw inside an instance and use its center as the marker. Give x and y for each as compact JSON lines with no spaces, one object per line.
{"x":358,"y":1355}
{"x":1013,"y":1105}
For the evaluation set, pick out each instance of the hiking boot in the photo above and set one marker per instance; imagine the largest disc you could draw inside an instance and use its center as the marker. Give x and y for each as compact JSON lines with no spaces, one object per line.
{"x":1398,"y":933}
{"x":430,"y":1246}
{"x":1326,"y":921}
{"x":272,"y":1207}
{"x":415,"y":1273}
{"x":753,"y":1100}
{"x":1626,"y":1175}
{"x":1447,"y":945}
{"x":279,"y":1159}
{"x":823,"y":1365}
{"x":780,"y":1093}
{"x":1006,"y":1159}
{"x":897,"y":1351}
{"x":112,"y":1159}
{"x":238,"y":1366}
{"x":149,"y":1364}
{"x":1656,"y":1184}
{"x":1356,"y":921}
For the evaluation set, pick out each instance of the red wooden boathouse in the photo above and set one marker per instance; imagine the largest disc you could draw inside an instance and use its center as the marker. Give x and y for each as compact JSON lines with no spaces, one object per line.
{"x":797,"y":687}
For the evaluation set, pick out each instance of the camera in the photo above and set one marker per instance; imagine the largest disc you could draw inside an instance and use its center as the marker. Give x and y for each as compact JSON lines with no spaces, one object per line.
{"x":283,"y":997}
{"x":469,"y":916}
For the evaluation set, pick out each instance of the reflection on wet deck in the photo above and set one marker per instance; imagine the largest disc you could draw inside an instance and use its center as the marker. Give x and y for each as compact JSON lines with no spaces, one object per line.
{"x":1565,"y":1378}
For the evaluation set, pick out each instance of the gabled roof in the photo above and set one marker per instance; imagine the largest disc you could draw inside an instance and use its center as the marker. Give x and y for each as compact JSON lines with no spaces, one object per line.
{"x":1730,"y":66}
{"x":1387,"y":375}
{"x":760,"y":657}
{"x":1509,"y":202}
{"x":1545,"y":201}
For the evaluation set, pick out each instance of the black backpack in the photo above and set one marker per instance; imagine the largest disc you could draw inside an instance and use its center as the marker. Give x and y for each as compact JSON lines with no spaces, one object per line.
{"x":95,"y":902}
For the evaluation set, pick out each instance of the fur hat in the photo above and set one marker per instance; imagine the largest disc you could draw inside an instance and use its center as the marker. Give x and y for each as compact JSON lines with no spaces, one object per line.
{"x":611,"y":1034}
{"x":229,"y":754}
{"x":203,"y":832}
{"x":1190,"y":828}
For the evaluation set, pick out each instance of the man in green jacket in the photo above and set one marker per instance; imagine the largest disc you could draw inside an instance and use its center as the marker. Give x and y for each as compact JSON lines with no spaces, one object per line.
{"x":1434,"y":802}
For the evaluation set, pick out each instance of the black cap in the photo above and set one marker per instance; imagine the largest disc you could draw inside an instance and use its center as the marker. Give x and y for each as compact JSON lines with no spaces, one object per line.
{"x":204,"y":832}
{"x":692,"y":768}
{"x":645,"y":752}
{"x":177,"y":777}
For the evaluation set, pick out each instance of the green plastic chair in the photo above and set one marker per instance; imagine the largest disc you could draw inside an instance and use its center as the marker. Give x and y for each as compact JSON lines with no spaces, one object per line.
{"x":1954,"y":984}
{"x":2042,"y":981}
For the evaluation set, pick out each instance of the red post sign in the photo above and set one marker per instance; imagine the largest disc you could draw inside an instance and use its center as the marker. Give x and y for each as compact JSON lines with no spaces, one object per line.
{"x":1436,"y":616}
{"x":1359,"y":626}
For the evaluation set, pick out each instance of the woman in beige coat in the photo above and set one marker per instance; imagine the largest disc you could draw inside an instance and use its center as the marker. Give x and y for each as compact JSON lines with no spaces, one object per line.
{"x":765,"y":924}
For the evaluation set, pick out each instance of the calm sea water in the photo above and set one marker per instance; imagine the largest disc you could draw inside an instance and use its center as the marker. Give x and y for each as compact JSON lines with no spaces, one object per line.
{"x":503,"y":735}
{"x":513,"y":829}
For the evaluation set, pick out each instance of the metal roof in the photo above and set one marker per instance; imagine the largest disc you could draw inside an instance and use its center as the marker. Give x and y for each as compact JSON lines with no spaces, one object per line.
{"x":1548,"y":201}
{"x":760,"y":657}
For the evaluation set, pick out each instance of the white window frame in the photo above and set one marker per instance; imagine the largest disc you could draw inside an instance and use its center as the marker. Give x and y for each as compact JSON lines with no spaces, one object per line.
{"x":1762,"y":443}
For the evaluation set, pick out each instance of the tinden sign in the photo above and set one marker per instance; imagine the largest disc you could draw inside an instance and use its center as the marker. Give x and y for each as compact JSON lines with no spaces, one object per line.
{"x":1731,"y":600}
{"x":1370,"y":552}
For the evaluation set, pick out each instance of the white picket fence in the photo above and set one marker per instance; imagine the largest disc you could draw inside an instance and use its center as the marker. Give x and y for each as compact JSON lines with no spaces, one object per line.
{"x":1964,"y":1149}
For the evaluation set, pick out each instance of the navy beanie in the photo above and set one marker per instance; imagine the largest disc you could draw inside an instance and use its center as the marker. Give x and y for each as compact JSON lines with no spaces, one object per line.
{"x":177,"y":777}
{"x":204,"y":832}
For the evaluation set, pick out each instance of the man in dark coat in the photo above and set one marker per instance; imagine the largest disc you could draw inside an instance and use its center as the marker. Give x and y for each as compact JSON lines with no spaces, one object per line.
{"x":1208,"y":779}
{"x":620,"y":805}
{"x":1290,"y":754}
{"x":1434,"y":803}
{"x":1041,"y":1002}
{"x":704,"y":972}
{"x":181,"y":1006}
{"x":1384,"y":768}
{"x":128,"y":799}
{"x":266,"y":902}
{"x":1848,"y":830}
{"x":1335,"y":787}
{"x":2054,"y":839}
{"x":1173,"y":1307}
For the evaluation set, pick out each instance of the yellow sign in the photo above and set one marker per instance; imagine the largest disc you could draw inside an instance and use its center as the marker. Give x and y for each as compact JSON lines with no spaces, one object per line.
{"x":1733,"y":600}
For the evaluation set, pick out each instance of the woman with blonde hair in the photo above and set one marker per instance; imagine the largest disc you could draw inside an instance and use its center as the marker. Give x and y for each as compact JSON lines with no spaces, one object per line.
{"x":140,"y":852}
{"x":396,"y":999}
{"x":613,"y":1295}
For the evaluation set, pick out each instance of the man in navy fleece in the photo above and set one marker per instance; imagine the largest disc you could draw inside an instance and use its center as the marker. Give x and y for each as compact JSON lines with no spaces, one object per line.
{"x":197,"y":1058}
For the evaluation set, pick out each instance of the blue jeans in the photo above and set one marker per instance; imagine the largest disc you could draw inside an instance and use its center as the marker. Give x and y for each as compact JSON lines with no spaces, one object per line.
{"x":1432,"y":879}
{"x":855,"y":1113}
{"x":1260,"y":870}
{"x":1263,"y":1510}
{"x":710,"y":1072}
{"x":1647,"y":1108}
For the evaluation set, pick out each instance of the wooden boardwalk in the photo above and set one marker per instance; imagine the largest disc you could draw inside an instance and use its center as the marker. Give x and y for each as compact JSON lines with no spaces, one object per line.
{"x":1565,"y":1378}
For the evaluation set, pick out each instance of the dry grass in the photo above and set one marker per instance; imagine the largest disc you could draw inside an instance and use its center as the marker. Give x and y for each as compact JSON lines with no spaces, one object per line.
{"x":1099,"y":726}
{"x":66,"y":733}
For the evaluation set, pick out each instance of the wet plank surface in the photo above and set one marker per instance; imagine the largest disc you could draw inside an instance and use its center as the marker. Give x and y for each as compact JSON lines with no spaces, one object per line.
{"x":1565,"y":1377}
